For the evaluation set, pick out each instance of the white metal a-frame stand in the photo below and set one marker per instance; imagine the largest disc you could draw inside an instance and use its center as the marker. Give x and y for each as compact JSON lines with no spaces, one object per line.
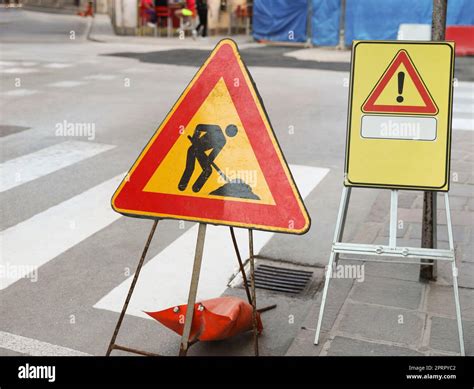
{"x":410,"y":255}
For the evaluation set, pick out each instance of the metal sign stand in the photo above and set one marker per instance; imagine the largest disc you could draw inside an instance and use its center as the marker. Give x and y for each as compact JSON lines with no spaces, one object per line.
{"x":411,"y":255}
{"x":185,"y":343}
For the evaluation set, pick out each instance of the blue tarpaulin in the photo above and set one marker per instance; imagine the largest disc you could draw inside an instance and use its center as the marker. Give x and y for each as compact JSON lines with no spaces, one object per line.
{"x":375,"y":19}
{"x":365,"y":19}
{"x":325,"y":22}
{"x":280,"y":20}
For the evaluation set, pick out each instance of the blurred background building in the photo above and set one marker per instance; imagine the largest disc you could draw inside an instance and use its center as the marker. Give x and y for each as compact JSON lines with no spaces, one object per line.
{"x":296,"y":22}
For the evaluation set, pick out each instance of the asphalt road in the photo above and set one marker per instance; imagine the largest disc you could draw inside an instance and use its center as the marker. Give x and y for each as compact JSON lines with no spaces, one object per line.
{"x":54,"y":204}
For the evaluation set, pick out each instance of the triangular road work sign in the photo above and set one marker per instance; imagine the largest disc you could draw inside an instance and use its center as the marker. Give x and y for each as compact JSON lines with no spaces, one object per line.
{"x":401,"y":90}
{"x":215,"y":158}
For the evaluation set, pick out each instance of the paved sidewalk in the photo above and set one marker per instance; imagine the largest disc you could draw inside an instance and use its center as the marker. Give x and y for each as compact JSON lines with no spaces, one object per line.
{"x":391,"y":312}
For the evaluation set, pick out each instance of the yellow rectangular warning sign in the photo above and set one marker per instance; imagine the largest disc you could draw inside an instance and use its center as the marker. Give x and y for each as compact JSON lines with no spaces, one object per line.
{"x":399,"y":123}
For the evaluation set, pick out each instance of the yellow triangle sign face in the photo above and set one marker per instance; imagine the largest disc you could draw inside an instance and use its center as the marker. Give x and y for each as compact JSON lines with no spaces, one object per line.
{"x":215,"y":158}
{"x":404,"y":95}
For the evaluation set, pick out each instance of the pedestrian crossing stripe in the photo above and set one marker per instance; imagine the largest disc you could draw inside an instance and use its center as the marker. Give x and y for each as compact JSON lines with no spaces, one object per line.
{"x":215,"y":157}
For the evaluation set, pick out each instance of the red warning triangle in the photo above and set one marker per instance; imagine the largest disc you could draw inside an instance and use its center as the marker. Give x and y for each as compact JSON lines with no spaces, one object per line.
{"x":396,"y":101}
{"x":215,"y":158}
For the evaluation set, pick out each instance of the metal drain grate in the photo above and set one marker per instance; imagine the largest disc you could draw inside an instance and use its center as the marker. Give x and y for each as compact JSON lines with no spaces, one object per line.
{"x":280,"y":279}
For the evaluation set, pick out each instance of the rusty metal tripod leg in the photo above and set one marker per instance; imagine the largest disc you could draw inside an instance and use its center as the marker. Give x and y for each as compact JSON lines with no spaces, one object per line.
{"x":254,"y":295}
{"x":241,"y":265}
{"x":183,"y":350}
{"x":132,"y":287}
{"x":244,"y":276}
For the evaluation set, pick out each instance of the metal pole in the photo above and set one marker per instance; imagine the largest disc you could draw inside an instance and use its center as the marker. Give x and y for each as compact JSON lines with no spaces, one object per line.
{"x":241,"y":265}
{"x":254,"y":295}
{"x":342,"y":27}
{"x":132,"y":287}
{"x":438,"y":24}
{"x":455,"y":275}
{"x":393,"y":218}
{"x":341,"y":220}
{"x":193,"y":290}
{"x":428,"y":232}
{"x":309,"y":25}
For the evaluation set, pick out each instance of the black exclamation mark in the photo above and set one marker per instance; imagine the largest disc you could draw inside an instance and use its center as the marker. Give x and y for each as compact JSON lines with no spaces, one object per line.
{"x":401,"y":79}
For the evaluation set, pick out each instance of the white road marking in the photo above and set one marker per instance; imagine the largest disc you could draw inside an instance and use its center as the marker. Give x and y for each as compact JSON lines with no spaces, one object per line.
{"x":20,"y":92}
{"x":164,"y":280}
{"x":28,"y":63}
{"x":24,"y":345}
{"x":29,"y":167}
{"x":57,"y":65}
{"x":54,"y":231}
{"x":463,"y":124}
{"x":135,"y":70}
{"x":463,"y":108}
{"x":16,"y":64}
{"x":66,"y":84}
{"x":465,"y":84}
{"x":18,"y":70}
{"x":101,"y":77}
{"x":463,"y":104}
{"x":8,"y":63}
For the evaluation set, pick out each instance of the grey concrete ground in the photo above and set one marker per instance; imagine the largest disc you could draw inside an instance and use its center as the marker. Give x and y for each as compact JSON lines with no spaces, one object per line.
{"x":126,"y":85}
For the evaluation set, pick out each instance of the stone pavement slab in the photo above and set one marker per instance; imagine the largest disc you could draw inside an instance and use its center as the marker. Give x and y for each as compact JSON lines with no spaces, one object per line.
{"x":388,"y":291}
{"x":440,"y":301}
{"x":303,"y":344}
{"x":346,"y":346}
{"x":444,"y":335}
{"x":382,"y":323}
{"x":406,"y":272}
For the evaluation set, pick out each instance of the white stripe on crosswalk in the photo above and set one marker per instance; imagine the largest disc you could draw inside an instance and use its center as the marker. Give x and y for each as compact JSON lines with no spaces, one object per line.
{"x":18,"y":70}
{"x":54,"y":231}
{"x":463,"y":124}
{"x":164,"y":280}
{"x":463,"y":94}
{"x":29,"y":167}
{"x":465,"y":84}
{"x":20,"y":92}
{"x":28,"y":346}
{"x":100,"y":77}
{"x":66,"y":84}
{"x":28,"y":63}
{"x":8,"y":63}
{"x":463,"y":108}
{"x":57,"y":65}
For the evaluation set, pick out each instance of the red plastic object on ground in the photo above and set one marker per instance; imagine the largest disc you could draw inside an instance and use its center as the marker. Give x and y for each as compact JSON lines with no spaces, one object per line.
{"x":464,"y":38}
{"x":214,"y":319}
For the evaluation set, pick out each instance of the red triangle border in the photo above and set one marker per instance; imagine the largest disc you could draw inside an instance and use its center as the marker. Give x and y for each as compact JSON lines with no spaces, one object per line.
{"x":401,"y":57}
{"x":287,"y":215}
